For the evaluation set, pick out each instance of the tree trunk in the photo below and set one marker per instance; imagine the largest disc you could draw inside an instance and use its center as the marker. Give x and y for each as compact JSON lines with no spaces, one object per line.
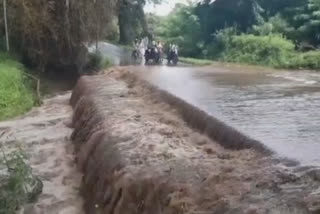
{"x":125,"y":28}
{"x":6,"y":24}
{"x":143,"y":21}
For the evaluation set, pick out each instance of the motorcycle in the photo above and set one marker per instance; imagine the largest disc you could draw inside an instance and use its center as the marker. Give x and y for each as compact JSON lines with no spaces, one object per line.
{"x":153,"y":54}
{"x":173,"y":57}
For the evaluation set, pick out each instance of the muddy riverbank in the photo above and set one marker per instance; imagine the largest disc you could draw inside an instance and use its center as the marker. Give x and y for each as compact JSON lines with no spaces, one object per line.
{"x":138,"y":155}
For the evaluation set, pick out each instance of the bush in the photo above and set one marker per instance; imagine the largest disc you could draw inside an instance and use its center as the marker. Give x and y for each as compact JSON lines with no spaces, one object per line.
{"x":307,"y":60}
{"x":97,"y":62}
{"x":18,"y":185}
{"x":94,"y":61}
{"x":15,"y":94}
{"x":105,"y":63}
{"x":272,"y":50}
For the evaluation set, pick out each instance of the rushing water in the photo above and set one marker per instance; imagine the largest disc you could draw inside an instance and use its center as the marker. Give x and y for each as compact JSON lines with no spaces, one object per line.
{"x":281,"y":109}
{"x":117,"y":55}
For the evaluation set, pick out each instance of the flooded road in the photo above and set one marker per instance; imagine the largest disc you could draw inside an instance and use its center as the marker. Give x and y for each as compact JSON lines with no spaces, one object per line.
{"x":280,"y":109}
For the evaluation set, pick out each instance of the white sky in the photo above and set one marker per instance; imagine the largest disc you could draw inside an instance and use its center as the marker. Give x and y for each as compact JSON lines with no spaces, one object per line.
{"x":164,"y":8}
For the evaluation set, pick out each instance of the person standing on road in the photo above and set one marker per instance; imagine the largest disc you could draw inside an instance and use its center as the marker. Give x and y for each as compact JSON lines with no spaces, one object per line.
{"x":136,"y":44}
{"x":160,"y":46}
{"x":175,"y":48}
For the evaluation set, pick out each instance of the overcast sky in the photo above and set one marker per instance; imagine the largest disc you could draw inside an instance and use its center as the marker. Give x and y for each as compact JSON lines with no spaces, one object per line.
{"x":165,"y":8}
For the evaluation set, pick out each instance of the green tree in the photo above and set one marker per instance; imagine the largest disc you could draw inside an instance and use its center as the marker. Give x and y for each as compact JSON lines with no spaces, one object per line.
{"x":53,"y":33}
{"x":132,"y":20}
{"x":307,"y":22}
{"x":283,"y":7}
{"x":183,"y":28}
{"x":216,"y":15}
{"x":275,"y":25}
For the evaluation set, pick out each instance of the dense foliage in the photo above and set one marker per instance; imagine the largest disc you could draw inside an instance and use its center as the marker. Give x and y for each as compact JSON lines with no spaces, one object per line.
{"x":54,"y":33}
{"x":182,"y":27}
{"x":268,"y":32}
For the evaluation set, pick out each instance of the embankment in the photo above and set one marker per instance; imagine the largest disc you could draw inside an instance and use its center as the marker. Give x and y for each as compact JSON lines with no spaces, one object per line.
{"x":139,"y":155}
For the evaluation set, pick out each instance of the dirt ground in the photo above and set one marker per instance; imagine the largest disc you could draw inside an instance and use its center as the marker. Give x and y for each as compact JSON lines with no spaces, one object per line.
{"x":44,"y":136}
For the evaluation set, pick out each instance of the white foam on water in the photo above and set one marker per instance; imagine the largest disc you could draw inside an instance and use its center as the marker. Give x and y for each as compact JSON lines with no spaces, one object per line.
{"x":297,"y":77}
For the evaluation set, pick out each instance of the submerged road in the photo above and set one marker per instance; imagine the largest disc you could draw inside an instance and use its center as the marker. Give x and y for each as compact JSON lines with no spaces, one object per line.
{"x":278,"y":108}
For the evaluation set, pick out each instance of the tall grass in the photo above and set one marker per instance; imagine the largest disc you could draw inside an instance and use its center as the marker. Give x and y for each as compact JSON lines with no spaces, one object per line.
{"x":15,"y":94}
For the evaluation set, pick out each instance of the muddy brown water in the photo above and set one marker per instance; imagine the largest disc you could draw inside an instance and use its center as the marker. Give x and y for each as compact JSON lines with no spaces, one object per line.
{"x":278,"y":108}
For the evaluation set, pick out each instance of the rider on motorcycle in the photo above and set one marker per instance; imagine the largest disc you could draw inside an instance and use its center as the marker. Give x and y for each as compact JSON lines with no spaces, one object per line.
{"x":174,"y":48}
{"x":173,"y":54}
{"x":153,"y":52}
{"x":153,"y":47}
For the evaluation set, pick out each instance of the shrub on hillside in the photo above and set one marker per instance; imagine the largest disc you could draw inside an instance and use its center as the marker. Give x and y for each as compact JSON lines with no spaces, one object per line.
{"x":272,"y":50}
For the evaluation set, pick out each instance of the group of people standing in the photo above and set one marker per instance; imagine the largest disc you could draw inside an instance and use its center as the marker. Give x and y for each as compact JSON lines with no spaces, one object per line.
{"x":144,"y":44}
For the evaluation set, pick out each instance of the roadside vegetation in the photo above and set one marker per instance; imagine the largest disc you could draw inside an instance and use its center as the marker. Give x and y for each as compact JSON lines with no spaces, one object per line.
{"x":18,"y":185}
{"x":16,"y":96}
{"x":260,"y":32}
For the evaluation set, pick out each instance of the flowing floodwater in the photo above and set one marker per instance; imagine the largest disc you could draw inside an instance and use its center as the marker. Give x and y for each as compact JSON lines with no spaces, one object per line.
{"x":280,"y":109}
